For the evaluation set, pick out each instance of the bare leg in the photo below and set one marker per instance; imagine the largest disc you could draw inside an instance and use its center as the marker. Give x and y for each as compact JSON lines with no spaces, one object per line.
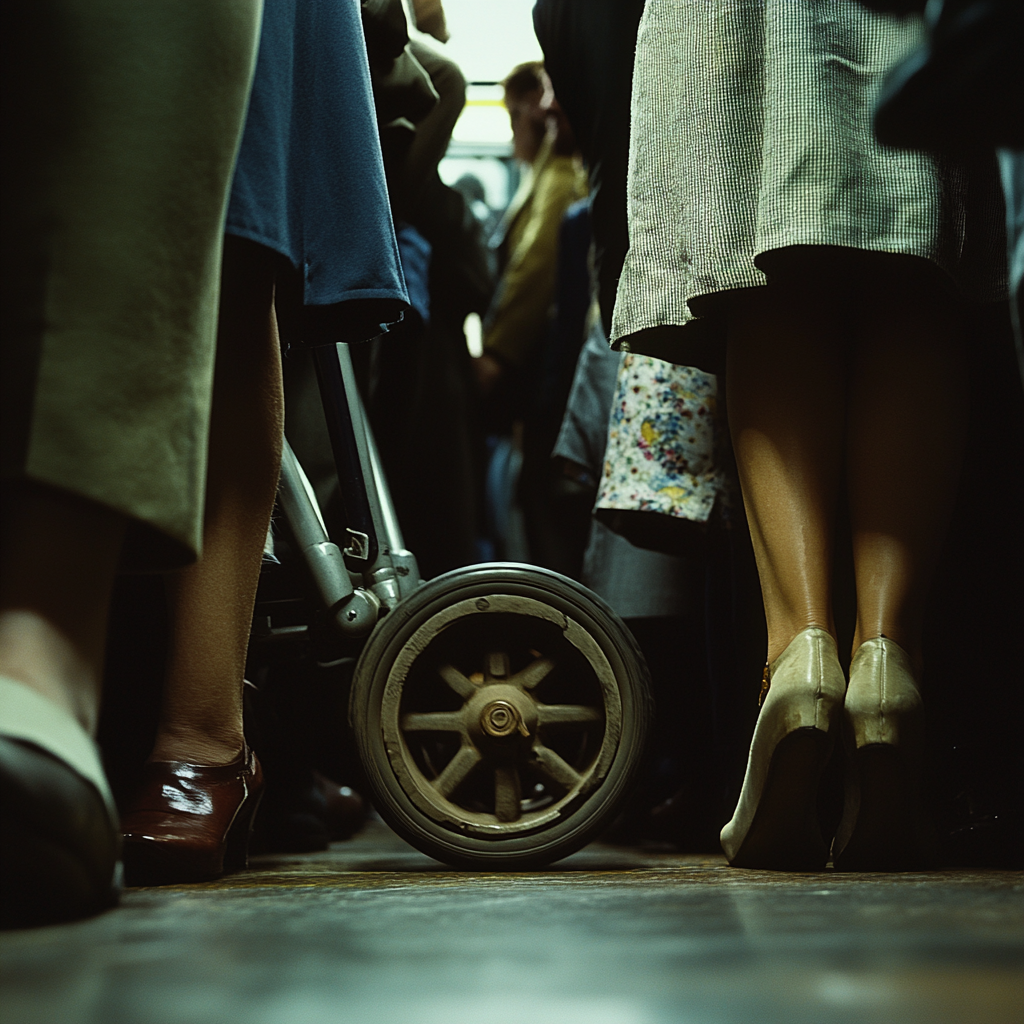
{"x":903,"y":453}
{"x":58,"y":557}
{"x":905,"y":441}
{"x":811,"y":380}
{"x":786,"y":402}
{"x":212,"y":601}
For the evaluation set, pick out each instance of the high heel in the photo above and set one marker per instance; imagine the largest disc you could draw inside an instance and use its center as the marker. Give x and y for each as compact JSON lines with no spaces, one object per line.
{"x":884,"y":826}
{"x":775,"y":824}
{"x":189,"y":822}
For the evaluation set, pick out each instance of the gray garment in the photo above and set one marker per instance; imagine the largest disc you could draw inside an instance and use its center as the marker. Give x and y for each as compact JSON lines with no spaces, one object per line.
{"x":584,"y":433}
{"x":636,"y":583}
{"x":751,"y":132}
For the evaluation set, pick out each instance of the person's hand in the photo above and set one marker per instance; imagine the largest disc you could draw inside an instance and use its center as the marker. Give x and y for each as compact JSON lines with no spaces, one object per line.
{"x":430,"y":19}
{"x":488,"y":372}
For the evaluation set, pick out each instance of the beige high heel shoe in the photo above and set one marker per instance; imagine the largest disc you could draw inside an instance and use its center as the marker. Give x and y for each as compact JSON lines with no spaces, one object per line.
{"x":884,"y":826}
{"x":775,"y":824}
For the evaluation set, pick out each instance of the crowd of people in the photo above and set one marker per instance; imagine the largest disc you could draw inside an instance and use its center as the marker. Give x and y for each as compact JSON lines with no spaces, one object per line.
{"x":732,"y":320}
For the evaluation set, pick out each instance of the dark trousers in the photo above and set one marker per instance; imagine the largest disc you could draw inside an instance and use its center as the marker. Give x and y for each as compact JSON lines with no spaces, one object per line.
{"x":588,"y":52}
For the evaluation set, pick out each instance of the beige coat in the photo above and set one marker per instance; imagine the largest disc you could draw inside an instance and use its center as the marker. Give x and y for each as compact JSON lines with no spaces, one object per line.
{"x":120,"y":157}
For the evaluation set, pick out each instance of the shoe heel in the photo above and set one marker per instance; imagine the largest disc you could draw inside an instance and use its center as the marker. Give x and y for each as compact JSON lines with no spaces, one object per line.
{"x":884,"y":826}
{"x":236,"y":851}
{"x":775,"y":824}
{"x":784,"y":834}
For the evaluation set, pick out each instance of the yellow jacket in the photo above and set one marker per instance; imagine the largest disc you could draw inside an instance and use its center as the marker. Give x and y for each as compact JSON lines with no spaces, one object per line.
{"x":516,"y":322}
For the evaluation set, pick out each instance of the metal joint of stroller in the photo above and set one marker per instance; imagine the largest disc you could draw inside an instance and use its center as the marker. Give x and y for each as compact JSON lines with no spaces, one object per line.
{"x":353,"y":610}
{"x":374,"y":571}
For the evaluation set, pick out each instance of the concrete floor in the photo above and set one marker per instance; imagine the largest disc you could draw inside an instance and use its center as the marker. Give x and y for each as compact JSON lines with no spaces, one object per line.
{"x":373,"y":931}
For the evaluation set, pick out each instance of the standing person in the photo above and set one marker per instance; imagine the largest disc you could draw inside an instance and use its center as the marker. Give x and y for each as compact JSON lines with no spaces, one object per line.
{"x":516,"y":323}
{"x":648,"y":493}
{"x":588,"y":52}
{"x":772,"y":236}
{"x":299,"y":247}
{"x":420,"y":391}
{"x":122,"y":123}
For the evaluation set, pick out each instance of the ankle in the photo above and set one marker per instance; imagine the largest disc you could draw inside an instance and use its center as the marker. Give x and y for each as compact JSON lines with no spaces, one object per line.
{"x":198,"y":748}
{"x":38,"y":655}
{"x":780,"y":639}
{"x":910,"y":646}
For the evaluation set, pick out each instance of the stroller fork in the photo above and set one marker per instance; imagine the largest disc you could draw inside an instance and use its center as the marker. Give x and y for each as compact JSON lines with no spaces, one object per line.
{"x":374,"y":571}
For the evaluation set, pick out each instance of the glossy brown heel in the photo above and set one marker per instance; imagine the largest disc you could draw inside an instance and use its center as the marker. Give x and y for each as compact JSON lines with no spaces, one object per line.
{"x":191,"y":823}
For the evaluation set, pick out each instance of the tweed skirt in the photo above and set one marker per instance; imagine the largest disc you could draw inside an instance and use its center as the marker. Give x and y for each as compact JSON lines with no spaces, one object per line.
{"x":122,"y":123}
{"x":751,"y":132}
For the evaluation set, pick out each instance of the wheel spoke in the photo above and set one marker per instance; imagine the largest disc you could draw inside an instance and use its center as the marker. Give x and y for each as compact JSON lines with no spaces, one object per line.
{"x":566,"y":714}
{"x":456,"y":771}
{"x":533,"y":674}
{"x":432,"y":721}
{"x":507,"y":794}
{"x":464,"y":687}
{"x":497,"y":666}
{"x":554,"y":767}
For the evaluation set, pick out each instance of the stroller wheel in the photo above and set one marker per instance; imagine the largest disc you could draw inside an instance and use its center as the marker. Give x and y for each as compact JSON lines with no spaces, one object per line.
{"x":500,"y":712}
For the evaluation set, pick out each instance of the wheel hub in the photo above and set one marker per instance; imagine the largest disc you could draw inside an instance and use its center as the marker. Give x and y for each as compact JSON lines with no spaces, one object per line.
{"x":497,"y":715}
{"x":500,"y":718}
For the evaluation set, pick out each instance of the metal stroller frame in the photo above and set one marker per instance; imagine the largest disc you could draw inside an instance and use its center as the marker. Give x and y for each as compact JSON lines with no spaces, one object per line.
{"x":374,"y":571}
{"x":469,"y":766}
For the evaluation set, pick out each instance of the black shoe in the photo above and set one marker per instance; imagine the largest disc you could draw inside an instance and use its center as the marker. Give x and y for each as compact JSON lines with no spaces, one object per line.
{"x":59,"y":848}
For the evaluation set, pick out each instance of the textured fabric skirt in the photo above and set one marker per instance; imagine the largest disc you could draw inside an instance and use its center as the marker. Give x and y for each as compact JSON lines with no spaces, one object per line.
{"x":121,"y":122}
{"x":751,"y":132}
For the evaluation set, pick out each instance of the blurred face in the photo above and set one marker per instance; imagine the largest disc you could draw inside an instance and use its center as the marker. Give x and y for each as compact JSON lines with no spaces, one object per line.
{"x":528,"y":123}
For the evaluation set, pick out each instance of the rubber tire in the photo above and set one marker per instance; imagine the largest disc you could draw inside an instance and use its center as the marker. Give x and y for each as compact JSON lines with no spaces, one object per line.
{"x":585,"y":821}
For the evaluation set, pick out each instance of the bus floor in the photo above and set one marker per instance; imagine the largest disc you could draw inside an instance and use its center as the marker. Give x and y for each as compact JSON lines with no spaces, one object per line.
{"x":373,"y":931}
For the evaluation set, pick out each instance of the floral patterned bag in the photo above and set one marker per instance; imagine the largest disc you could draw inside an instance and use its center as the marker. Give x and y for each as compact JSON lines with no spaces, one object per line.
{"x":668,"y":468}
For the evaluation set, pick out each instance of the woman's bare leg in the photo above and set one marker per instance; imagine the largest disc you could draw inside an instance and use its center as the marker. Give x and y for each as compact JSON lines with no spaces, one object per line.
{"x":786,"y":401}
{"x":786,"y":394}
{"x":58,"y":557}
{"x":212,"y":601}
{"x":907,"y":409}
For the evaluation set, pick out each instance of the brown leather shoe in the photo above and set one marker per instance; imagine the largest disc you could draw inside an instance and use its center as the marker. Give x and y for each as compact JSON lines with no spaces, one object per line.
{"x":190,"y":822}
